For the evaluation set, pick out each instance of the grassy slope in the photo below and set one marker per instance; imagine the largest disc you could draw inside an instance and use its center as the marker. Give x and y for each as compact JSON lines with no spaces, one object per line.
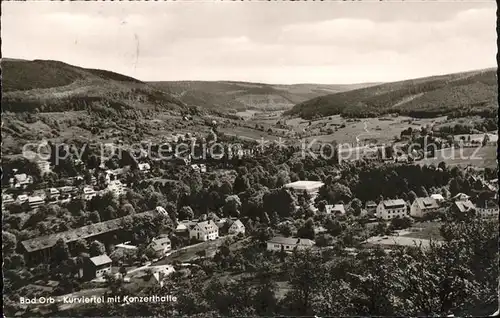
{"x":56,"y":86}
{"x":237,"y":96}
{"x":430,"y":96}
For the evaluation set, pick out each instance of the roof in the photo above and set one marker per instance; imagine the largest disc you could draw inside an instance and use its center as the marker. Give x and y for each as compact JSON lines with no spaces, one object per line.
{"x":158,"y":243}
{"x":144,"y":166}
{"x":22,"y":177}
{"x":398,"y":203}
{"x":426,"y":203}
{"x":236,"y":222}
{"x":464,"y":206}
{"x":206,"y":226}
{"x":34,"y":199}
{"x":44,"y":242}
{"x":305,"y":185}
{"x":291,"y":241}
{"x":461,"y":196}
{"x":101,"y":260}
{"x":371,"y":203}
{"x":437,"y":197}
{"x":337,"y":208}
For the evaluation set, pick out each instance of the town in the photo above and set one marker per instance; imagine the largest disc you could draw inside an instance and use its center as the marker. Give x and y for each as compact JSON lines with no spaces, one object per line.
{"x":85,"y":226}
{"x":205,"y":159}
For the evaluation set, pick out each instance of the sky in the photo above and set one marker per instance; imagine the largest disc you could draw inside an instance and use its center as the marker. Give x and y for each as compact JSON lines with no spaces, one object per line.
{"x":269,"y":42}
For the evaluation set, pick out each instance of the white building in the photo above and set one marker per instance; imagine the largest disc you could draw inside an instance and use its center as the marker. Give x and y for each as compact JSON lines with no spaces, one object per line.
{"x":161,"y":246}
{"x":53,"y":194}
{"x":88,"y":193}
{"x":487,"y":210}
{"x":311,"y":187}
{"x":337,"y":209}
{"x":116,"y":187}
{"x":35,"y":201}
{"x":389,"y":209}
{"x":22,"y":198}
{"x":144,"y":167}
{"x":461,"y":197}
{"x":288,"y":244}
{"x":438,"y":197}
{"x":422,"y":206}
{"x":6,"y":200}
{"x":20,"y":181}
{"x":204,"y":231}
{"x":235,"y":227}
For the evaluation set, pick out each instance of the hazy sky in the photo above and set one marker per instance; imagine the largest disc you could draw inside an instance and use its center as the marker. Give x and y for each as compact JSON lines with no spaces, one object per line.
{"x":273,"y":42}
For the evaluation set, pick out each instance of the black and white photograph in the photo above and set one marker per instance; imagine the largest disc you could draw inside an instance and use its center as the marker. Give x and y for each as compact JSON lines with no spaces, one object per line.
{"x":249,"y":158}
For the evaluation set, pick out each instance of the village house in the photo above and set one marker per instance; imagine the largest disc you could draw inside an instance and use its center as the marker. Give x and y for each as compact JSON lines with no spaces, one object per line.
{"x":230,"y":226}
{"x":161,"y":246}
{"x":7,"y":199}
{"x":288,"y":244}
{"x":337,"y":209}
{"x":96,"y":267}
{"x":422,"y":206}
{"x":35,"y":201}
{"x":438,"y":197}
{"x":463,"y":206}
{"x":116,"y":187}
{"x":22,"y":198}
{"x":204,"y":231}
{"x":20,"y":181}
{"x":88,"y":193}
{"x":145,"y":167}
{"x":390,"y":209}
{"x":53,"y":194}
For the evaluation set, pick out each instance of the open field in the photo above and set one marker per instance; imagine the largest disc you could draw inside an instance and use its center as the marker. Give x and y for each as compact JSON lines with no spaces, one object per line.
{"x":483,"y":157}
{"x":383,"y":130}
{"x":426,"y":230}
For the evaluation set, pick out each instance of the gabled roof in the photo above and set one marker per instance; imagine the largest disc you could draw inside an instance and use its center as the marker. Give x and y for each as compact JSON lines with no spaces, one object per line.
{"x":464,"y":206}
{"x":101,"y":260}
{"x":426,"y":203}
{"x":392,"y":204}
{"x":206,"y":226}
{"x":337,"y":208}
{"x":291,"y":241}
{"x":437,"y":196}
{"x":236,"y":223}
{"x":157,"y":244}
{"x":371,"y":204}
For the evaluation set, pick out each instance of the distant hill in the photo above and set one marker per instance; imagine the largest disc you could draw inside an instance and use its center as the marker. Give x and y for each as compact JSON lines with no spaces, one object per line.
{"x":457,"y":94}
{"x":238,"y":96}
{"x":48,"y":86}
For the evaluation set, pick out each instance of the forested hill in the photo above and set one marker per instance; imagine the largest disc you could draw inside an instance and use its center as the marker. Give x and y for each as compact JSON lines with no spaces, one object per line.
{"x":229,"y":96}
{"x":51,"y":86}
{"x":456,"y":94}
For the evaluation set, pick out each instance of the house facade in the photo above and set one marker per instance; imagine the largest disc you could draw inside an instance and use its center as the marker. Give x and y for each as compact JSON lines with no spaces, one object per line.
{"x":88,"y":193}
{"x":96,"y":267}
{"x":236,"y":227}
{"x":288,"y":244}
{"x":390,"y":209}
{"x":204,"y":231}
{"x":161,"y":246}
{"x":422,"y":206}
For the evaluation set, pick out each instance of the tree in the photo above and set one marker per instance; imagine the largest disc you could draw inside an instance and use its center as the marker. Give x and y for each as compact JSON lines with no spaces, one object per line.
{"x":61,"y":251}
{"x":232,"y":205}
{"x":423,"y":192}
{"x":186,"y":213}
{"x":412,"y":196}
{"x":356,"y":206}
{"x":286,"y":229}
{"x":307,"y":230}
{"x":9,"y":242}
{"x":96,"y":249}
